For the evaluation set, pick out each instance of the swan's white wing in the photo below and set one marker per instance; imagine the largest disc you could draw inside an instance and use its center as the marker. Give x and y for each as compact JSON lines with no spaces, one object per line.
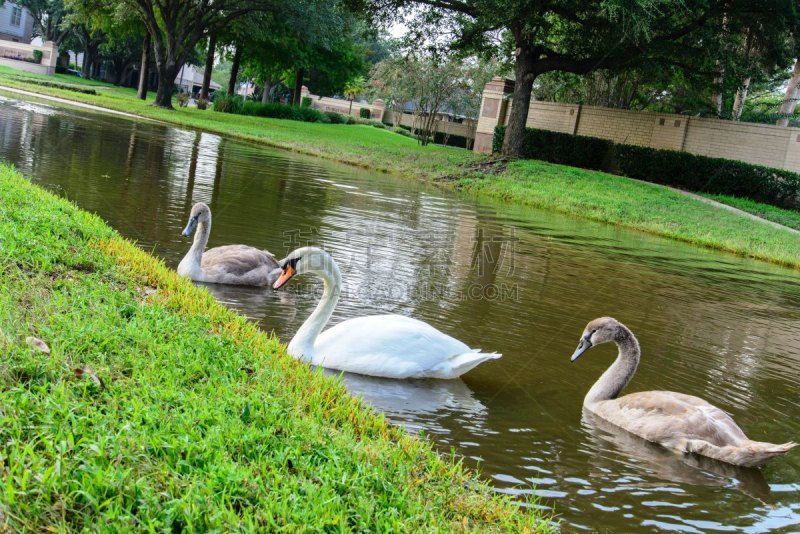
{"x":391,"y":346}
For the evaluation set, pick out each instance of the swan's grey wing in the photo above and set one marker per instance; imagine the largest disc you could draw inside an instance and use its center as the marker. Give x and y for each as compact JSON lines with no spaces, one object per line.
{"x":385,"y":345}
{"x":667,"y":417}
{"x":240,"y":262}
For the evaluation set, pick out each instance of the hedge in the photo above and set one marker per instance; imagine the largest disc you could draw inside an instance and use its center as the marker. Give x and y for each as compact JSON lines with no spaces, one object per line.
{"x":668,"y":167}
{"x":364,"y":113}
{"x":235,"y":104}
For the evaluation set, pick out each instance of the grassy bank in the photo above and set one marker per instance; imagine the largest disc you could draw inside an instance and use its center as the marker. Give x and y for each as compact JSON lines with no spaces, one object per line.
{"x":155,"y":408}
{"x":788,"y":218}
{"x":356,"y":144}
{"x":578,"y":192}
{"x":639,"y":205}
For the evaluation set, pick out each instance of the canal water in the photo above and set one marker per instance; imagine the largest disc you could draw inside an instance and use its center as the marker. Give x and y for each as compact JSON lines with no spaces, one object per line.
{"x":517,"y":281}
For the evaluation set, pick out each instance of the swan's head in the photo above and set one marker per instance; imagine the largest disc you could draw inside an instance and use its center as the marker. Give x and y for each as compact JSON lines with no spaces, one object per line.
{"x":598,"y":331}
{"x":200,"y":214}
{"x":306,"y":260}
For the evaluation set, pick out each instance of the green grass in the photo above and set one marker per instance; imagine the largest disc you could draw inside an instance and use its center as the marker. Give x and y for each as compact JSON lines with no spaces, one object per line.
{"x":785,"y":217}
{"x":639,"y":205}
{"x":356,"y":144}
{"x":202,"y":421}
{"x":579,"y":192}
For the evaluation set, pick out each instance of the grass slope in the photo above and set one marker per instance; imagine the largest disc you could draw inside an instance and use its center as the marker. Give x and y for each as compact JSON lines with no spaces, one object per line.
{"x":788,"y":218}
{"x":201,"y":421}
{"x":648,"y":207}
{"x":362,"y":145}
{"x":579,"y":192}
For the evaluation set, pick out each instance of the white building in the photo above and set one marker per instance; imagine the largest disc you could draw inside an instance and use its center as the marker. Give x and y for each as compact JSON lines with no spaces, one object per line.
{"x":190,"y":80}
{"x":16,"y":23}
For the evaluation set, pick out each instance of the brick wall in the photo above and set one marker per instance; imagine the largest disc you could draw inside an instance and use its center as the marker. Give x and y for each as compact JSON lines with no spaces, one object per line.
{"x":761,"y":144}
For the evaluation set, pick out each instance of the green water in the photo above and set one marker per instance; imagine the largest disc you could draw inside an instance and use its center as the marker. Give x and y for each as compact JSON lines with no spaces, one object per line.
{"x":516,"y":281}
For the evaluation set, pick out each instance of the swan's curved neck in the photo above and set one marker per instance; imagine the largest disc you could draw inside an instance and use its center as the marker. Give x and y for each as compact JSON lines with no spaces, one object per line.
{"x":302,"y":344}
{"x":195,"y":254}
{"x":613,"y":381}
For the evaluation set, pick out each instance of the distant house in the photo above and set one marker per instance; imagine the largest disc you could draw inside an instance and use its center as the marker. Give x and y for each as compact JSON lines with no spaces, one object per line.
{"x":16,"y":23}
{"x":190,"y":80}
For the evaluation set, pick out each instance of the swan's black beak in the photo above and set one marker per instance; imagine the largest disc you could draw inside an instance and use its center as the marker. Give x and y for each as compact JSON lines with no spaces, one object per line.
{"x":583,"y":346}
{"x":190,"y":227}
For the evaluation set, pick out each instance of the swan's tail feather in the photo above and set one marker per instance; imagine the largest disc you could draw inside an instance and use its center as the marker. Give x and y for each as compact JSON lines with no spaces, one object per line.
{"x":459,"y":364}
{"x":748,"y":454}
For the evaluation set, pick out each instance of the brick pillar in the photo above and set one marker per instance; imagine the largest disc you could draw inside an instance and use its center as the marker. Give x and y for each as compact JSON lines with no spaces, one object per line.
{"x":494,"y":105}
{"x":49,"y":56}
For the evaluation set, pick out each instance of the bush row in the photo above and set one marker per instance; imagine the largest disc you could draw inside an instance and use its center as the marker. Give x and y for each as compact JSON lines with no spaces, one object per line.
{"x":55,"y":85}
{"x":237,"y":105}
{"x":668,"y":167}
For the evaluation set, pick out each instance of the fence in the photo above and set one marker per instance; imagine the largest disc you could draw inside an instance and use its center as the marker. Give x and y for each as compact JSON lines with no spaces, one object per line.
{"x":760,"y":144}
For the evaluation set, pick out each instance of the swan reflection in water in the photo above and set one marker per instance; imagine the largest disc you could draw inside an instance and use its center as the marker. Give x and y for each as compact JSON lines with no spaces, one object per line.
{"x":253,"y":302}
{"x":611,"y":445}
{"x":417,"y":403}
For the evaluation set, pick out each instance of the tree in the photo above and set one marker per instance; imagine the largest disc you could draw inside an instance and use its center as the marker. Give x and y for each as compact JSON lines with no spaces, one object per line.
{"x":560,"y":35}
{"x":791,"y":96}
{"x":176,"y":26}
{"x":430,"y":85}
{"x":48,"y":17}
{"x":352,"y":89}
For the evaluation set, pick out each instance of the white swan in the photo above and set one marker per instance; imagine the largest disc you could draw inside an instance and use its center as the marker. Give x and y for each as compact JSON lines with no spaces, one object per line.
{"x":230,"y":264}
{"x":677,"y":421}
{"x":391,"y":346}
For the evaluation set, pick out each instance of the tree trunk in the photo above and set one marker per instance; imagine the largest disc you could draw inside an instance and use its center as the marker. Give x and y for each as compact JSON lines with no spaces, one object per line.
{"x":167,"y":71}
{"x":212,"y":45}
{"x":741,"y":96}
{"x":716,"y":97}
{"x":237,"y":58}
{"x":350,"y":111}
{"x":298,"y":86}
{"x":790,"y":99}
{"x":515,"y":131}
{"x":266,"y":90}
{"x":145,"y":67}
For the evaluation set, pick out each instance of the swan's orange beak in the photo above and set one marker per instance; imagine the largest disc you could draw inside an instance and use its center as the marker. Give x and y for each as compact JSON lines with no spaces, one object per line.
{"x":288,"y":272}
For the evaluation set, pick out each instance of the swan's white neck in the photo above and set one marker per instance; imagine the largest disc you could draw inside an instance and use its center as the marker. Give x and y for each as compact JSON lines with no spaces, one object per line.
{"x":302,"y":344}
{"x":191,"y":262}
{"x":613,"y":381}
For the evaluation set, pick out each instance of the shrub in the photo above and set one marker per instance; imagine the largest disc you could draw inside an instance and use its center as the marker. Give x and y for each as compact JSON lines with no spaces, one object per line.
{"x":281,"y":111}
{"x":364,"y":113}
{"x":183,"y":99}
{"x":202,"y":103}
{"x":678,"y":169}
{"x":226,"y":103}
{"x":336,"y":118}
{"x":66,"y":87}
{"x":305,"y":102}
{"x":37,"y":56}
{"x":556,"y":147}
{"x":349,"y":119}
{"x":402,"y":131}
{"x":710,"y":175}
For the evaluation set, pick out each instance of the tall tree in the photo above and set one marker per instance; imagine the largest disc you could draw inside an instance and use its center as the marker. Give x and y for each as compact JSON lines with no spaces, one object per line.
{"x":791,"y":96}
{"x":48,"y":18}
{"x":176,"y":26}
{"x":561,"y":35}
